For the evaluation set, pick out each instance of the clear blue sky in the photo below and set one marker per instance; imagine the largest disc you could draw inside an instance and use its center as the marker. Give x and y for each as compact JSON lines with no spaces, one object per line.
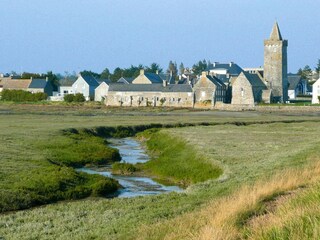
{"x":67,"y":35}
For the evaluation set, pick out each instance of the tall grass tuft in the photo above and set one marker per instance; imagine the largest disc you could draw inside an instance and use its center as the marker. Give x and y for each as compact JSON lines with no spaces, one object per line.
{"x":176,"y":161}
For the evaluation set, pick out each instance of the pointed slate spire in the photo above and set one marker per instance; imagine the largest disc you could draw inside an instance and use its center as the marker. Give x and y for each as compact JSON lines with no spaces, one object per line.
{"x":275,"y":34}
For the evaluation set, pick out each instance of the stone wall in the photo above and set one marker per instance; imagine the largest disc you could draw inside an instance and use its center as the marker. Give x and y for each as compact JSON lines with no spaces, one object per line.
{"x":242,"y":91}
{"x":154,"y":99}
{"x":266,"y":108}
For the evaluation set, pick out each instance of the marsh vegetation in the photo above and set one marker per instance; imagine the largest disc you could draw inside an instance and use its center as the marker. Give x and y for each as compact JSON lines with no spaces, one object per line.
{"x":256,"y":161}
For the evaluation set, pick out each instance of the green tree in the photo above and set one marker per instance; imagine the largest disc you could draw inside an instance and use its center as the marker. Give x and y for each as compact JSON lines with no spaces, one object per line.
{"x":27,"y":75}
{"x":117,"y":73}
{"x":305,"y":73}
{"x":181,"y":68}
{"x":154,"y":67}
{"x":200,"y":67}
{"x":53,"y":79}
{"x":172,"y":68}
{"x":105,"y":74}
{"x":90,"y":73}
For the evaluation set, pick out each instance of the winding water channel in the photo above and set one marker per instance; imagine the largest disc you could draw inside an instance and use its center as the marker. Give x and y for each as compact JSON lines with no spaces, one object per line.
{"x":133,"y":186}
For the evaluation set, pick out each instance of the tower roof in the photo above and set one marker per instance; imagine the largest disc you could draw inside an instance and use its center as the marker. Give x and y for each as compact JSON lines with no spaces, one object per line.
{"x":275,"y":34}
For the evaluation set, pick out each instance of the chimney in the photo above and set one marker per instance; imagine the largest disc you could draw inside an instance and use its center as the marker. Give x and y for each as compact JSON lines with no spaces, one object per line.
{"x":157,"y":72}
{"x":204,"y":74}
{"x":215,"y":63}
{"x":230,"y":64}
{"x":31,"y":78}
{"x":165,"y":83}
{"x":47,"y":79}
{"x":141,"y":71}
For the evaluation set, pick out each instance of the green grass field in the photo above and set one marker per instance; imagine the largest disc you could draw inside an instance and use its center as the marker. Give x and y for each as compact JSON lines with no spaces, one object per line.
{"x":245,"y":153}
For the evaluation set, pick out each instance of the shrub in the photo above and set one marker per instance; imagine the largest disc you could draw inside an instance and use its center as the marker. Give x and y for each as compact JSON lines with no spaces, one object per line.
{"x":22,"y":96}
{"x":78,"y":97}
{"x":68,"y":97}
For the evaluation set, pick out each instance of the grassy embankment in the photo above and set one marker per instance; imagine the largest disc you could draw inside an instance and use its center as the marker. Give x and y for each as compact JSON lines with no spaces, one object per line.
{"x":47,"y":170}
{"x":246,"y":154}
{"x":173,"y":161}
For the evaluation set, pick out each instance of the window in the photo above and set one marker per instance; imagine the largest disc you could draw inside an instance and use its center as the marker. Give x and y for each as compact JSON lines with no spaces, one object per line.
{"x":242,"y":92}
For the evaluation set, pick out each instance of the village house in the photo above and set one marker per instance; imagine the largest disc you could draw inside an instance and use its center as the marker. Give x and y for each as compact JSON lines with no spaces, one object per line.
{"x":65,"y":87}
{"x":152,"y":78}
{"x":40,"y":85}
{"x":101,"y":91}
{"x":297,"y":86}
{"x":224,"y":71}
{"x":209,"y":89}
{"x":247,"y":89}
{"x":14,"y":84}
{"x":135,"y":95}
{"x":30,"y":85}
{"x":85,"y":85}
{"x":316,"y":92}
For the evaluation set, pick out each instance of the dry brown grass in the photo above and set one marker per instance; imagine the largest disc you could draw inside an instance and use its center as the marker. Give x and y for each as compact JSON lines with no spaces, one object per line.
{"x":227,"y":217}
{"x":224,"y":214}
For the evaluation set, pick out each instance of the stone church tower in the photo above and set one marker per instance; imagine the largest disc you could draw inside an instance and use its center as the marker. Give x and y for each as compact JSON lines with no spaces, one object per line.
{"x":275,"y":65}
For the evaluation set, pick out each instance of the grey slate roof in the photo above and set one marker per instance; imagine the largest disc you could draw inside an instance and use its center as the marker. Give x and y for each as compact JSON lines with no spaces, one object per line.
{"x":38,"y":83}
{"x":254,"y":80}
{"x":150,"y":88}
{"x":126,"y":80}
{"x":90,"y":80}
{"x":167,"y":77}
{"x":66,"y":82}
{"x":153,"y":77}
{"x":232,"y":69}
{"x":293,"y":80}
{"x":215,"y":80}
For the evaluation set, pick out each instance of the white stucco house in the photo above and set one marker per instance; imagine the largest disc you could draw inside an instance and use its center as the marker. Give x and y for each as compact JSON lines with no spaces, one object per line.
{"x":85,"y":85}
{"x":316,"y":92}
{"x":102,"y":91}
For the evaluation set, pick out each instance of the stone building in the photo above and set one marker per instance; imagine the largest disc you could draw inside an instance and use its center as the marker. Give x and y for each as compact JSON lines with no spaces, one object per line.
{"x":135,"y":95}
{"x":209,"y":88}
{"x":248,"y":89}
{"x":275,"y":65}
